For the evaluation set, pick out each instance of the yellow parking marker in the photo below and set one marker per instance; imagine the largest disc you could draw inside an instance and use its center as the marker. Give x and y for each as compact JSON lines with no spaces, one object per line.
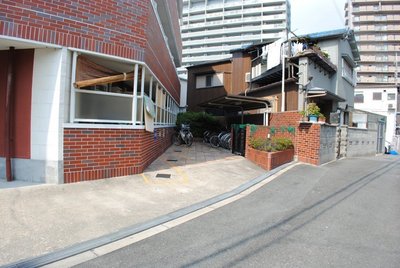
{"x":182,"y":173}
{"x":145,"y":178}
{"x":179,"y":171}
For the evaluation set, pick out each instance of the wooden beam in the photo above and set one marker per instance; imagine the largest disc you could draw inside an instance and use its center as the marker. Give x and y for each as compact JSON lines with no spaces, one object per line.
{"x":104,"y":80}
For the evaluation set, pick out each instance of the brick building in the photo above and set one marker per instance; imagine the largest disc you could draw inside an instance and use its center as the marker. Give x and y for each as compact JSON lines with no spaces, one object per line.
{"x":88,"y":90}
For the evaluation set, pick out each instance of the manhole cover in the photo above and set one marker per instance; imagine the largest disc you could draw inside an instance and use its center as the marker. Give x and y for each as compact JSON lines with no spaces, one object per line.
{"x":164,"y":176}
{"x":172,"y":160}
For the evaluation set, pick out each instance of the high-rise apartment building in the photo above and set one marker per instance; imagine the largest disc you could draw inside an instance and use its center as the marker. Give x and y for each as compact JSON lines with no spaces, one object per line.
{"x":377,"y":30}
{"x":210,"y":29}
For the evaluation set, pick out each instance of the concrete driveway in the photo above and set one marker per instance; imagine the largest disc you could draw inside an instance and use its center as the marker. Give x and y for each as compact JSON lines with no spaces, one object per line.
{"x":39,"y":219}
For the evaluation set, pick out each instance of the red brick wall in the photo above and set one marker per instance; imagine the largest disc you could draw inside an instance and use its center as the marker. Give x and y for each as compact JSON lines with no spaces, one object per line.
{"x":125,"y":28}
{"x":284,"y":119}
{"x":91,"y":154}
{"x":306,"y":136}
{"x":109,"y":26}
{"x":158,"y":58}
{"x":308,"y":143}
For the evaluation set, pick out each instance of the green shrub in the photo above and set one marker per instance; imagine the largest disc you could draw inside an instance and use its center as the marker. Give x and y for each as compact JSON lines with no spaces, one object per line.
{"x":257,"y":143}
{"x":271,"y":145}
{"x":199,"y":122}
{"x":283,"y":143}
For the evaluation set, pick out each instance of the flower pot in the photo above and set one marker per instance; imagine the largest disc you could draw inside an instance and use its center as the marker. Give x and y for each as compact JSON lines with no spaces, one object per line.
{"x":313,"y":118}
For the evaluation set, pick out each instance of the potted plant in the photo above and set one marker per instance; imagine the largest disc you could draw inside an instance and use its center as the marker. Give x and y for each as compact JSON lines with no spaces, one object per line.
{"x":304,"y":116}
{"x":321,"y":118}
{"x":313,"y":112}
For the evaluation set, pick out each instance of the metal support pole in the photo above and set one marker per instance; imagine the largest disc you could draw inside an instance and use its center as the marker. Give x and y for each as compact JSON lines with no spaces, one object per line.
{"x":283,"y":79}
{"x":9,"y":109}
{"x":72,"y":93}
{"x":135,"y":87}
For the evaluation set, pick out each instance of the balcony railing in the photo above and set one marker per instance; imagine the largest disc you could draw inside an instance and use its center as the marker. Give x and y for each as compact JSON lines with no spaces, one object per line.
{"x":191,"y":51}
{"x":227,"y":14}
{"x":238,"y":21}
{"x":193,"y":60}
{"x":228,"y":39}
{"x":222,"y":31}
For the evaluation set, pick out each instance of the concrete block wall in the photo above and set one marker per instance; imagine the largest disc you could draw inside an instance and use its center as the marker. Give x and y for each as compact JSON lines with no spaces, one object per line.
{"x":327,"y":151}
{"x":343,"y":142}
{"x":361,"y":142}
{"x":91,"y":154}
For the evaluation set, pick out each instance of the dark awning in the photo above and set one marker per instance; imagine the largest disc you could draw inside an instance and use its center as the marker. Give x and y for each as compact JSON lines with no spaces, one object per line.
{"x":231,"y":103}
{"x":323,"y":94}
{"x":269,"y":76}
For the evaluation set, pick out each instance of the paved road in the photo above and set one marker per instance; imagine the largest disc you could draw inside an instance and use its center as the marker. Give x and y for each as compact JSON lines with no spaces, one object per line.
{"x":41,"y":219}
{"x":344,"y":214}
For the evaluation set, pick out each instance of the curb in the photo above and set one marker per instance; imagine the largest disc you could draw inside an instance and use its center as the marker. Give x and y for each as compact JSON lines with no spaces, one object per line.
{"x":82,"y":247}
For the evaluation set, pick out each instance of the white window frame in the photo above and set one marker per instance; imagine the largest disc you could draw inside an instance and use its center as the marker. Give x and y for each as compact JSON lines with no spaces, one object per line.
{"x":214,"y":77}
{"x":359,"y":93}
{"x":349,"y":77}
{"x":170,"y":109}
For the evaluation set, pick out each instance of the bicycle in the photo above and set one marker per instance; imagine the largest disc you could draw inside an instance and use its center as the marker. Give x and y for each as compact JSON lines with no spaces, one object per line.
{"x":223,"y":139}
{"x":183,"y":136}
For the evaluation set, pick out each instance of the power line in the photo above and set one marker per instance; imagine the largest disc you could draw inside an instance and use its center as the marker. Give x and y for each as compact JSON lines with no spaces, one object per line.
{"x":338,"y":11}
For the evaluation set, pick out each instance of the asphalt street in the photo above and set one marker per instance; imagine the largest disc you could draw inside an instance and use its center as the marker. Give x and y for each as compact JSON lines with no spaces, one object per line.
{"x":343,"y":214}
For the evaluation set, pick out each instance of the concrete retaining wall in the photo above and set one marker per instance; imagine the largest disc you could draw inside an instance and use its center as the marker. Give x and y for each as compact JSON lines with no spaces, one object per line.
{"x":327,"y":144}
{"x":361,"y":142}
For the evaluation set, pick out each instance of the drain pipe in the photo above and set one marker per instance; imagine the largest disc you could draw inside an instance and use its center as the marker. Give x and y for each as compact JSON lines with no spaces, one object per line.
{"x":9,"y":108}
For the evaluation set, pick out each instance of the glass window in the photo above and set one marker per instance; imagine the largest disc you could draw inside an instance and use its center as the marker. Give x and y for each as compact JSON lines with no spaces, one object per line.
{"x":358,"y":97}
{"x":114,"y":102}
{"x":382,"y":47}
{"x":90,"y":106}
{"x":377,"y":95}
{"x":391,"y":96}
{"x":348,"y":72}
{"x":209,"y":80}
{"x":380,"y":17}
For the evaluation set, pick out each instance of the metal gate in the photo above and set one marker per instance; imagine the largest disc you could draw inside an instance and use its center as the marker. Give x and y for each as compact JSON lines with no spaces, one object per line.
{"x":239,"y":139}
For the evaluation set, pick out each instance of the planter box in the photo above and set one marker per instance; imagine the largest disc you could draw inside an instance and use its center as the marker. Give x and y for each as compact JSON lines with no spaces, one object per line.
{"x":269,"y":160}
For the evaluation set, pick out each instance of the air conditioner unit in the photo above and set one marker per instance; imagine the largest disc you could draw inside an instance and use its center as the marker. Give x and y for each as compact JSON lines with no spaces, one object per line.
{"x":390,"y":107}
{"x":247,"y":77}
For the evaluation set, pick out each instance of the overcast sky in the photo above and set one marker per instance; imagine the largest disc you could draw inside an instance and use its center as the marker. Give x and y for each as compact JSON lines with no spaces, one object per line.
{"x":309,"y":16}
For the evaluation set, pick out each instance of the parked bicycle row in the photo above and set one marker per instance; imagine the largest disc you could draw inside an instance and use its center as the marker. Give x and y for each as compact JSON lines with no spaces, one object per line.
{"x":222,"y":139}
{"x":184,"y":136}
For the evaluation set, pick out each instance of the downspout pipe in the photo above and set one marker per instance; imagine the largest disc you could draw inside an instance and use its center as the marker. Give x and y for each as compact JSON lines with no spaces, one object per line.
{"x":9,"y":109}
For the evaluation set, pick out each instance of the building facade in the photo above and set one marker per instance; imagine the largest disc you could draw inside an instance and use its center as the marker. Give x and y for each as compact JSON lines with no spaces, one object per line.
{"x":210,"y":29}
{"x":88,"y":90}
{"x":377,"y":28}
{"x":318,"y":67}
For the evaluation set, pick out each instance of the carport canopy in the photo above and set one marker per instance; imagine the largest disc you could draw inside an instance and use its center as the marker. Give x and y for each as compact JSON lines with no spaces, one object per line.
{"x":237,"y":103}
